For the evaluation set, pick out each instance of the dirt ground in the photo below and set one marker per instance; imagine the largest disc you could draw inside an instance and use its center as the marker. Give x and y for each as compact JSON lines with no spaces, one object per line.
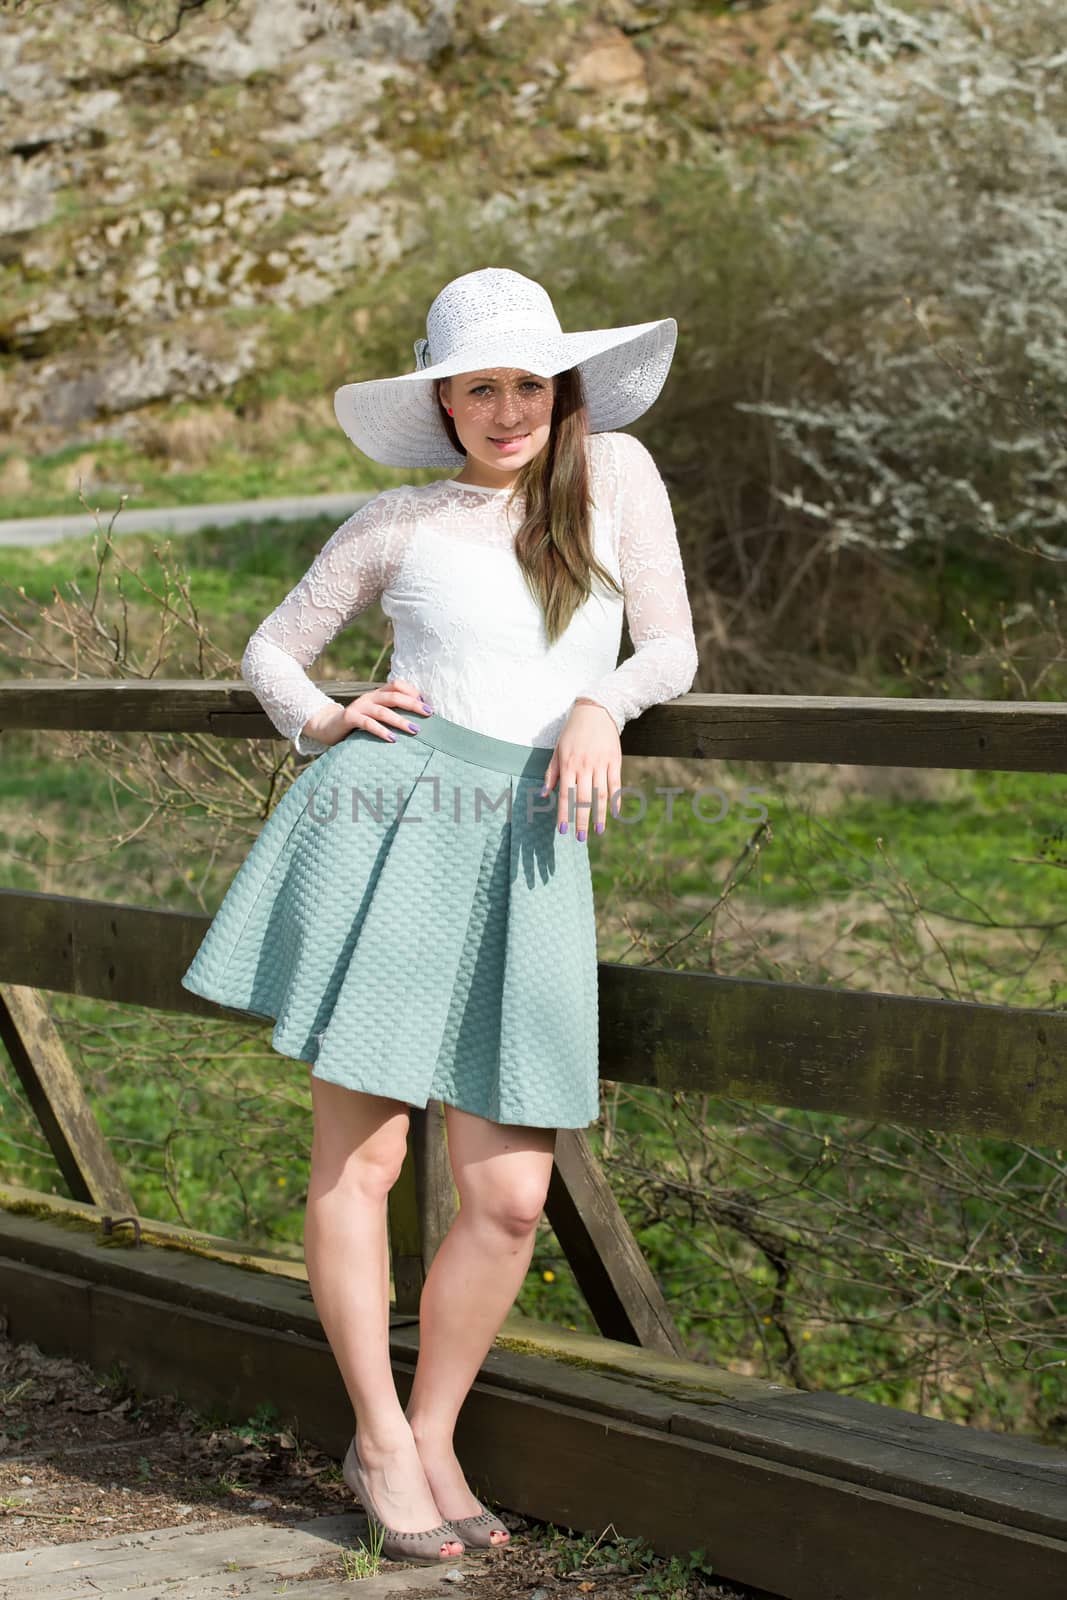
{"x":83,"y":1456}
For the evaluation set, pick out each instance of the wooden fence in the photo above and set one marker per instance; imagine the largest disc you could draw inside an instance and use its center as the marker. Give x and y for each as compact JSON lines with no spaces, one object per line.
{"x":988,"y":1513}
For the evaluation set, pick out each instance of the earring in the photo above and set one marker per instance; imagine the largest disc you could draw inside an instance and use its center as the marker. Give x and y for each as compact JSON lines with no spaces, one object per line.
{"x":450,"y":411}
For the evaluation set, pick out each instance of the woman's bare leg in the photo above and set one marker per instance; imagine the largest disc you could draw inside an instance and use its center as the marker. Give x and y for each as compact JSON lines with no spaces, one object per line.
{"x":502,"y":1174}
{"x":357,"y":1150}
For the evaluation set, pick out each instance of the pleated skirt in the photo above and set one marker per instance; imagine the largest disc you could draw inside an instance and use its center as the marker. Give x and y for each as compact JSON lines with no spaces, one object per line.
{"x":414,"y":925}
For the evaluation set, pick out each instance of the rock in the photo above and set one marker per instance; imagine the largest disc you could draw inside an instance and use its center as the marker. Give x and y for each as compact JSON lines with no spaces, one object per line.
{"x":329,"y":97}
{"x":24,"y":81}
{"x":612,"y":66}
{"x":27,"y":193}
{"x":266,"y":38}
{"x":262,"y":39}
{"x":348,"y":171}
{"x":181,"y":363}
{"x":255,"y":163}
{"x":395,"y":30}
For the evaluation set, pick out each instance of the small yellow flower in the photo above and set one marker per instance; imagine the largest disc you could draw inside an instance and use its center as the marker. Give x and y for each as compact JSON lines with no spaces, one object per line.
{"x":548,"y":1275}
{"x":805,"y":1334}
{"x":766,"y":1319}
{"x":282,"y":1182}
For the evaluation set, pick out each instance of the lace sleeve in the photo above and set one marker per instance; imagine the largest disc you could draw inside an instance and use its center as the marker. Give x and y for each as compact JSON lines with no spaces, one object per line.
{"x":350,"y":572}
{"x":664,"y":662}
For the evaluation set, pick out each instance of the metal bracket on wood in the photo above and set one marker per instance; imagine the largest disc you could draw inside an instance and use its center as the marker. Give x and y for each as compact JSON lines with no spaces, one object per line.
{"x":109,"y":1224}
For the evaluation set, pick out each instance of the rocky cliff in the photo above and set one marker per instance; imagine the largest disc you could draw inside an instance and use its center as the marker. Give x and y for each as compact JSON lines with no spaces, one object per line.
{"x":171,"y":205}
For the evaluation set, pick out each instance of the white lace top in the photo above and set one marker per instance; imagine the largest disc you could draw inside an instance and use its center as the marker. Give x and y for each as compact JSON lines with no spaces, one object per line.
{"x":467,"y":631}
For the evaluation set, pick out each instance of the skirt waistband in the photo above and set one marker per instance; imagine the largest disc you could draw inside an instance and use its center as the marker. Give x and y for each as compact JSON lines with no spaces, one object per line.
{"x":500,"y":755}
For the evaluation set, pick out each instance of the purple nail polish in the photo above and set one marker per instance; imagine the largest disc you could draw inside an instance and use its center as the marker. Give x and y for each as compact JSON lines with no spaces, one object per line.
{"x":391,"y":736}
{"x":425,"y":707}
{"x":600,"y":827}
{"x":563,"y":827}
{"x":581,"y":835}
{"x":413,"y":726}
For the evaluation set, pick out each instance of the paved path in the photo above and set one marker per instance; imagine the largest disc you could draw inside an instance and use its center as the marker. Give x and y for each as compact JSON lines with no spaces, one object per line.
{"x":180,"y":519}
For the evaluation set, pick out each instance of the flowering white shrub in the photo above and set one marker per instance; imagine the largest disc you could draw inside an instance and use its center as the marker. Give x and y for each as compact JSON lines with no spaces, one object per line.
{"x":935,"y":408}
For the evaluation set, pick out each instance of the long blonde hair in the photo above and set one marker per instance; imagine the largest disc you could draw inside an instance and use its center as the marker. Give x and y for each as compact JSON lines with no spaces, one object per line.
{"x":554,"y":544}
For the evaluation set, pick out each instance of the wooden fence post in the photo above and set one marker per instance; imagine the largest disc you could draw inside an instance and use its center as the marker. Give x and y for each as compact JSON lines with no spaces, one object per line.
{"x":421,"y":1204}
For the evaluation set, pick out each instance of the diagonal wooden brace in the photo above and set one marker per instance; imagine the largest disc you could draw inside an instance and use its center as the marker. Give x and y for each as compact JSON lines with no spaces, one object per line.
{"x":54,"y":1090}
{"x":618,"y":1284}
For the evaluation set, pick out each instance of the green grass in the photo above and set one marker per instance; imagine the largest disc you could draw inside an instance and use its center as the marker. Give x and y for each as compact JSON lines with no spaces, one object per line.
{"x":326,"y":464}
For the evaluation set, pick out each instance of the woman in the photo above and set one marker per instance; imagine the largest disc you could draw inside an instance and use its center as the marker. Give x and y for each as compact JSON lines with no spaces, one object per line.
{"x":442,"y":943}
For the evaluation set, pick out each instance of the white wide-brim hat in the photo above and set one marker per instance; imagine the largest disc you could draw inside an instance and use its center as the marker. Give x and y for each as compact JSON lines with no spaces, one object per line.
{"x":498,"y":318}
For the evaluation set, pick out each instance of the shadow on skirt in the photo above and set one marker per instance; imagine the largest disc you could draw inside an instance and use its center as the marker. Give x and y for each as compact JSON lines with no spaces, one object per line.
{"x":414,"y":924}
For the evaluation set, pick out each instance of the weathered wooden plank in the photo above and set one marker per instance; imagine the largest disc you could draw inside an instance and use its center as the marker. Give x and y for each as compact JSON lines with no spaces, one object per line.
{"x":171,"y":1263}
{"x":282,"y":1259}
{"x":390,"y":1580}
{"x":250,"y":1584}
{"x":793,"y":1532}
{"x":131,"y":705}
{"x":852,"y":1416}
{"x":619,"y":1286}
{"x":164,"y":1560}
{"x":1016,"y":736}
{"x":951,"y":1065}
{"x":59,"y":1102}
{"x":801,"y":1534}
{"x":597,"y":1373}
{"x":53,"y":1308}
{"x":249,"y":1290}
{"x":103,"y":949}
{"x":402,"y":1580}
{"x":1031,"y":1482}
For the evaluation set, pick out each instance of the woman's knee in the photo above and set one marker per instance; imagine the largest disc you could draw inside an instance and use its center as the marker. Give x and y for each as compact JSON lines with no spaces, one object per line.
{"x":513,"y":1203}
{"x":501,"y":1170}
{"x":357,"y":1139}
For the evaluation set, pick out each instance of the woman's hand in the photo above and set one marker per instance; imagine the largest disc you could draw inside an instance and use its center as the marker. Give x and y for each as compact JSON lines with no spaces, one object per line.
{"x":375,"y":712}
{"x":588,"y":756}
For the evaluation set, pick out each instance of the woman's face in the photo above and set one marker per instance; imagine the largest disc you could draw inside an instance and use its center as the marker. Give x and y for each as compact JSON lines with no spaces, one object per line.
{"x":495,"y":405}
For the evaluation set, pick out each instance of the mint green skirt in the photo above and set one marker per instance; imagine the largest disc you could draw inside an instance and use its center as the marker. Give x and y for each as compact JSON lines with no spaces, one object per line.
{"x":414,"y":925}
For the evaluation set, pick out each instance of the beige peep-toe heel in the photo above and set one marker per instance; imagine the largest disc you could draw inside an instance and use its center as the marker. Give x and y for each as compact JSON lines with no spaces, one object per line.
{"x":476,"y":1530}
{"x":423,"y":1546}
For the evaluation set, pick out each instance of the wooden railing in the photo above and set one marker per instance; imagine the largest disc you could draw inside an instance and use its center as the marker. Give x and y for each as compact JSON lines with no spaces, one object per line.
{"x":935,"y":1064}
